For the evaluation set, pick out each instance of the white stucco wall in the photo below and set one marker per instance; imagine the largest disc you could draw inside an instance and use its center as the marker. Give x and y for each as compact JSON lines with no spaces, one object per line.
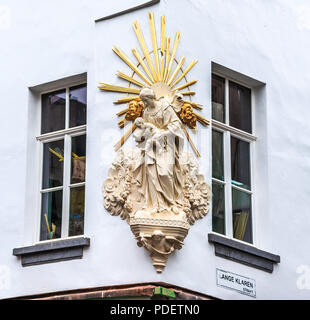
{"x":266,"y":40}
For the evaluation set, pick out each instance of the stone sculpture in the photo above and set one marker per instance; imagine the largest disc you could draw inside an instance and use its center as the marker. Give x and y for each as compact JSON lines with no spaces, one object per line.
{"x":156,"y":187}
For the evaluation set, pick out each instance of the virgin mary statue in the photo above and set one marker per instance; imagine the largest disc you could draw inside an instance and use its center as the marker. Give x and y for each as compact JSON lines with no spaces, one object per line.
{"x":157,"y":179}
{"x":156,"y":186}
{"x":160,"y":138}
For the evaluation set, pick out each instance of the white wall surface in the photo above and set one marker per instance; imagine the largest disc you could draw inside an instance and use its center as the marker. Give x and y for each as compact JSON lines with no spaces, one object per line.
{"x":266,"y":40}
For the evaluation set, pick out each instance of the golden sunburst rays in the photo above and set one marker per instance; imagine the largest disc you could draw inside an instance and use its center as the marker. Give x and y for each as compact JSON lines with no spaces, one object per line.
{"x":192,"y":64}
{"x":157,"y":68}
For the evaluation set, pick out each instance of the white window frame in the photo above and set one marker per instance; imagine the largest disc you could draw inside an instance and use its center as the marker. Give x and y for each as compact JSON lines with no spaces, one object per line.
{"x":66,"y":134}
{"x":228,"y":132}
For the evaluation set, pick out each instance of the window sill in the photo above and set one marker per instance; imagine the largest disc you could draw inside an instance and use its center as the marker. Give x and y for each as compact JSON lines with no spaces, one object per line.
{"x":243,"y":253}
{"x":53,"y":251}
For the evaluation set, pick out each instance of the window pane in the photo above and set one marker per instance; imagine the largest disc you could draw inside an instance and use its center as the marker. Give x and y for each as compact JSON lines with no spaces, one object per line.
{"x":218,"y":98}
{"x":77,"y":199}
{"x":218,"y":208}
{"x":78,"y":97}
{"x":51,"y":215}
{"x":53,"y":164}
{"x":240,"y":163}
{"x":240,"y":107}
{"x":53,"y":111}
{"x":78,"y":163}
{"x":217,"y":155}
{"x":242,"y":220}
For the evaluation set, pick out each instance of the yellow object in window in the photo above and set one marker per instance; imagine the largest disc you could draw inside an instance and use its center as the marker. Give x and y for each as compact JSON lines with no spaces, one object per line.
{"x":240,"y":225}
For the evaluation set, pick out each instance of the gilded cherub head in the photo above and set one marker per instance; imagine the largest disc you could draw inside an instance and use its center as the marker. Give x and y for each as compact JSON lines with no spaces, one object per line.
{"x":135,"y":110}
{"x":187,"y":115}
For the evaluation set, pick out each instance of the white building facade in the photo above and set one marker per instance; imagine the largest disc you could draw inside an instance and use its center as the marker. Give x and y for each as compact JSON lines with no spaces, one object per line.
{"x":253,"y":76}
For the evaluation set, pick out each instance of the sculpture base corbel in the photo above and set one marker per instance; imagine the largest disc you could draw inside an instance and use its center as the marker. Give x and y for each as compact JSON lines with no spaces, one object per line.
{"x":160,"y":237}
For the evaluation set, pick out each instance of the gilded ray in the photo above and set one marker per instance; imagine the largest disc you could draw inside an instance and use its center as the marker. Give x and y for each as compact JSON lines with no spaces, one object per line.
{"x":179,"y":66}
{"x":193,"y":63}
{"x":126,"y":99}
{"x":162,"y":64}
{"x":109,"y":87}
{"x":188,"y":93}
{"x":122,"y":122}
{"x":140,"y":38}
{"x":122,"y":55}
{"x":167,"y":57}
{"x":188,"y":137}
{"x":187,"y":84}
{"x":190,"y":141}
{"x":197,"y":107}
{"x":125,"y":137}
{"x":201,"y":119}
{"x":194,"y":104}
{"x":163,"y":35}
{"x":122,"y":112}
{"x":174,"y":50}
{"x":154,"y":42}
{"x":152,"y":71}
{"x":140,"y":60}
{"x":204,"y":122}
{"x":129,"y":79}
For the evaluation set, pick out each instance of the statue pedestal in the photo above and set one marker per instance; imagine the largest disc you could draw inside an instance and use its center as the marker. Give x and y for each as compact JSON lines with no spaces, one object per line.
{"x":159,"y":236}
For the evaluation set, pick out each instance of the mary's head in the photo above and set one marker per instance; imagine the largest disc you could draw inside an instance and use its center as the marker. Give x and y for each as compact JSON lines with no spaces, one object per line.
{"x":148,"y":97}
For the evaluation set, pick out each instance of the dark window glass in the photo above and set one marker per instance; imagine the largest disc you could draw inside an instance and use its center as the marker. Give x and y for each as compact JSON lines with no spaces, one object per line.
{"x":218,"y":98}
{"x":217,"y":155}
{"x":218,"y":208}
{"x":240,"y":107}
{"x":240,"y":163}
{"x":51,"y":215}
{"x":76,"y":223}
{"x":53,"y":111}
{"x":242,"y":219}
{"x":53,"y":161}
{"x":78,"y":100}
{"x":78,"y":162}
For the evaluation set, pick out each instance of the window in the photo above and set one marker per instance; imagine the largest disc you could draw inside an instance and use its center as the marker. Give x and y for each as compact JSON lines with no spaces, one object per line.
{"x":63,"y":154}
{"x":232,"y":170}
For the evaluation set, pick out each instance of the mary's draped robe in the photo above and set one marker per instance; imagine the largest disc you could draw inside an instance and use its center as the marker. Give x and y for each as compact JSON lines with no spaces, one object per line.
{"x":158,"y":172}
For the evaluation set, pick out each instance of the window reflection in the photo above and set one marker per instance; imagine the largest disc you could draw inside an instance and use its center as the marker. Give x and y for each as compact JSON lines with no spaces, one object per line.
{"x":53,"y":111}
{"x":51,"y":215}
{"x":218,"y":98}
{"x":53,"y":161}
{"x":78,"y":163}
{"x":217,"y":155}
{"x":78,"y":100}
{"x":240,"y":107}
{"x":77,"y":199}
{"x":242,"y":216}
{"x":240,"y":163}
{"x":218,"y":208}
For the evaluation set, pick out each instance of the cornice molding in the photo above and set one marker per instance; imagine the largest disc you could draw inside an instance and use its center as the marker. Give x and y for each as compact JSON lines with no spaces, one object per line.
{"x":120,"y":13}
